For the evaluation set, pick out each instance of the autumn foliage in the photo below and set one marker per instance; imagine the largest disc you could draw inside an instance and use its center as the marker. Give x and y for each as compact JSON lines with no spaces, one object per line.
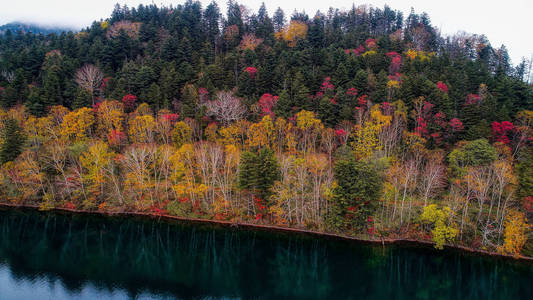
{"x":295,"y":31}
{"x":363,"y":122}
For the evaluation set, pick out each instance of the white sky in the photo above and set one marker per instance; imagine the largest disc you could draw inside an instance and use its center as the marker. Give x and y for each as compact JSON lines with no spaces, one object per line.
{"x":503,"y":22}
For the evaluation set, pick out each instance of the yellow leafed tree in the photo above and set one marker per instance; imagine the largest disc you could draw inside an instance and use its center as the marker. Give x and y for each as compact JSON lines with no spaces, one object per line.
{"x":96,"y":162}
{"x":142,"y":129}
{"x":110,"y":116}
{"x":261,"y":134}
{"x":515,"y":233}
{"x":181,"y":134}
{"x":367,"y":136}
{"x":443,"y":227}
{"x":78,"y":124}
{"x":296,"y":30}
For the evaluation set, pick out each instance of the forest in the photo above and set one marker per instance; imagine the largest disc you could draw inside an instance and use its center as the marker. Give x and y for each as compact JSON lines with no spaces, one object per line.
{"x":364,"y":122}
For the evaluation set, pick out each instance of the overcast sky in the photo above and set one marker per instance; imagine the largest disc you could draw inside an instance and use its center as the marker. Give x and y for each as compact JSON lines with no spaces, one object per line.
{"x":503,"y":22}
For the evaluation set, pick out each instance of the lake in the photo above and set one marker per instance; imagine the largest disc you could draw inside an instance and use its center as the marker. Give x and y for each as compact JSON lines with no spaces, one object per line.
{"x":53,"y":255}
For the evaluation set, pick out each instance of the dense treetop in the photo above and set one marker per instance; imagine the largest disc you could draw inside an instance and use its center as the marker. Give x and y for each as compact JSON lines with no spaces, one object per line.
{"x":153,"y":52}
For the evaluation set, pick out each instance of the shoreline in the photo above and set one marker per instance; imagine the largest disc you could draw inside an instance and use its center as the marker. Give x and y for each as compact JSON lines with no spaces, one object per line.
{"x":276,"y":228}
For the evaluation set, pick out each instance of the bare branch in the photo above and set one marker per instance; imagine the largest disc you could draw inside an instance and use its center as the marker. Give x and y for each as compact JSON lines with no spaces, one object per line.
{"x":226,"y":107}
{"x":89,"y":78}
{"x":9,"y":76}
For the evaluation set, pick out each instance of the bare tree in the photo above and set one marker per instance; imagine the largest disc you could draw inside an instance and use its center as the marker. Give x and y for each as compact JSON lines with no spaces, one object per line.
{"x":433,"y":177}
{"x":226,"y":107}
{"x":9,"y":76}
{"x":89,"y":78}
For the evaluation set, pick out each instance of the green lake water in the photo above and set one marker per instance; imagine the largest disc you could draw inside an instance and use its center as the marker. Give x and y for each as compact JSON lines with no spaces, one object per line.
{"x":68,"y":256}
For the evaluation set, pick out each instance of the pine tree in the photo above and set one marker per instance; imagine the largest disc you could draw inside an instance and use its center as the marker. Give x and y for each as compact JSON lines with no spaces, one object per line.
{"x":300,"y":93}
{"x":13,"y":139}
{"x":359,"y":186}
{"x":525,"y":171}
{"x":169,"y":86}
{"x":328,"y":111}
{"x":34,"y":104}
{"x":153,"y":96}
{"x":360,"y":81}
{"x":265,"y":28}
{"x":316,"y":33}
{"x":189,"y":100}
{"x":278,"y":19}
{"x":211,"y":19}
{"x":284,"y":105}
{"x":52,"y":87}
{"x":258,"y":172}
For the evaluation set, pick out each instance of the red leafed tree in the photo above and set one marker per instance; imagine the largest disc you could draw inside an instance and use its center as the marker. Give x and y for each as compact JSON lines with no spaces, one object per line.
{"x":129,"y":101}
{"x":442,"y":86}
{"x":226,"y":107}
{"x":252,"y":71}
{"x":89,"y":78}
{"x":440,"y":119}
{"x":117,"y":138}
{"x":203,"y":95}
{"x":456,"y":125}
{"x":527,"y":204}
{"x":359,"y":50}
{"x":387,"y":108}
{"x":266,"y":103}
{"x":352,"y":92}
{"x":231,"y":32}
{"x":327,"y":85}
{"x":503,"y":131}
{"x":104,"y":83}
{"x":472,"y":99}
{"x":396,"y":62}
{"x":421,"y":129}
{"x":171,"y":117}
{"x":362,"y":101}
{"x":371,"y":43}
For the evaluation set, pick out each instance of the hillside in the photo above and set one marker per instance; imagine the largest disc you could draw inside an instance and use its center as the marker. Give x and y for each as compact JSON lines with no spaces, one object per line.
{"x":15,"y":27}
{"x":364,"y":122}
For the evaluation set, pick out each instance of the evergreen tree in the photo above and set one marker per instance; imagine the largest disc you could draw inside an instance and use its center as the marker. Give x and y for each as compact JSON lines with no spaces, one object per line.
{"x":360,"y":81}
{"x":34,"y":104}
{"x":278,"y":19}
{"x":525,"y":173}
{"x":13,"y":139}
{"x":300,"y":93}
{"x":83,"y":99}
{"x":258,"y":172}
{"x":328,"y":111}
{"x":316,"y":33}
{"x":188,"y":103}
{"x":284,"y":105}
{"x":52,"y":87}
{"x":234,"y":17}
{"x":153,"y":96}
{"x":264,"y":28}
{"x":211,"y":20}
{"x":359,"y":185}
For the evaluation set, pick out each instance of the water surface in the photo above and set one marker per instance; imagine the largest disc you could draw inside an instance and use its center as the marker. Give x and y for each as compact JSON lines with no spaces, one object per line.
{"x":68,"y":256}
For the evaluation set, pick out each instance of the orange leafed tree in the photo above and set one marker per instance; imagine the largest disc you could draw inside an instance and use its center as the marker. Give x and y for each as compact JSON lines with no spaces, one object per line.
{"x":291,"y":34}
{"x":130,"y":28}
{"x":250,"y":41}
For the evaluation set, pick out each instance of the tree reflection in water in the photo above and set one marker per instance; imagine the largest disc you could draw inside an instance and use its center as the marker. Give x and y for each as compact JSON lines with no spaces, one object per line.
{"x":128,"y":257}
